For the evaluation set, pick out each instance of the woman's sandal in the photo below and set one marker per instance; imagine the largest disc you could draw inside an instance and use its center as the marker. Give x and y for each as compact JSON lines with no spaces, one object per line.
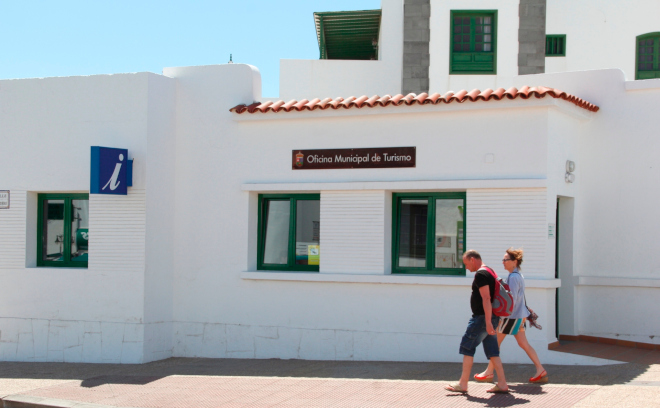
{"x":541,"y":378}
{"x":498,"y":390}
{"x":455,"y":388}
{"x":485,"y":378}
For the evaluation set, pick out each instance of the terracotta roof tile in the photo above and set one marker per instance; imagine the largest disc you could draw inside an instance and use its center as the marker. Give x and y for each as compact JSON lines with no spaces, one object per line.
{"x":412,"y":99}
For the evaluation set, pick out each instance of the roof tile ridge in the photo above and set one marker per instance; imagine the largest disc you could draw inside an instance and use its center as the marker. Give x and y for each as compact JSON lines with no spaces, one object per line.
{"x":359,"y":102}
{"x":251,"y":108}
{"x":459,"y":96}
{"x":276,"y":106}
{"x":264,"y":106}
{"x":420,"y":98}
{"x":473,"y":95}
{"x":371,"y":102}
{"x":433,"y":98}
{"x":347,"y":103}
{"x":408,"y":99}
{"x":311,"y":105}
{"x":511,"y":93}
{"x":524,"y":92}
{"x":324,"y":104}
{"x":238,"y":108}
{"x":446,"y":98}
{"x":287,"y":106}
{"x":300,"y":104}
{"x":485,"y":95}
{"x":498,"y":94}
{"x":384,"y":100}
{"x":397,"y":99}
{"x":335,"y":103}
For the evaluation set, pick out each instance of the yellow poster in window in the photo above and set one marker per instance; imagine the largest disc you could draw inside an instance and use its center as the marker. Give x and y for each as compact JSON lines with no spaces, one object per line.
{"x":313,"y":255}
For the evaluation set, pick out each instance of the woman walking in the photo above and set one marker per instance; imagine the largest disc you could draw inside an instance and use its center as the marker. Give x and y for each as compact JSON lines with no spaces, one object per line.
{"x":515,"y":323}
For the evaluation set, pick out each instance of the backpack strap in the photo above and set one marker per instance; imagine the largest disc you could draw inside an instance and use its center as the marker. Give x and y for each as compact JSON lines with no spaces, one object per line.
{"x":489,"y":270}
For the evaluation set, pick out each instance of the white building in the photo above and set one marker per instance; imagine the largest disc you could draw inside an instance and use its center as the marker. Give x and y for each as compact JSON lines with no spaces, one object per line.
{"x":212,"y":252}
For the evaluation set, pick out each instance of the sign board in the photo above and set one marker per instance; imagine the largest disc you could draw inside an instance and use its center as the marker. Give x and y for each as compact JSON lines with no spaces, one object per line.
{"x":368,"y":158}
{"x":551,"y":230}
{"x":111,"y":171}
{"x":4,"y":199}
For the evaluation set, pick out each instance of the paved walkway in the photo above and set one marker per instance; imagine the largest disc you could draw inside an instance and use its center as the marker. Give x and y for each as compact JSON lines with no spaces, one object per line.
{"x":190,"y":382}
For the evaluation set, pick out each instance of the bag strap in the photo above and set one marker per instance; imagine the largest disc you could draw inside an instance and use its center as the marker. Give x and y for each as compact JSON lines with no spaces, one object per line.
{"x":492,"y":272}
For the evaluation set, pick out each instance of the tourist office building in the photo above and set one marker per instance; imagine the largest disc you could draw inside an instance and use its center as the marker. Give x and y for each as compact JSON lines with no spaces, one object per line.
{"x":145,"y":216}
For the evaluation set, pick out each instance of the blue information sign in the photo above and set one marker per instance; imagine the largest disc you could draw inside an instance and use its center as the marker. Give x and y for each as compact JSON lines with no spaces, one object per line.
{"x":109,"y":171}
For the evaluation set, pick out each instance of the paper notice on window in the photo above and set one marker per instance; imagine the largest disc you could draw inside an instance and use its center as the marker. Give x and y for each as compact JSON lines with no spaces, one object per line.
{"x":4,"y":199}
{"x":313,"y":254}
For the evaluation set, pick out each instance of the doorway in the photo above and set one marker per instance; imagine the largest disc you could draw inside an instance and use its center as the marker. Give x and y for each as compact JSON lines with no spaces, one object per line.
{"x":565,"y":319}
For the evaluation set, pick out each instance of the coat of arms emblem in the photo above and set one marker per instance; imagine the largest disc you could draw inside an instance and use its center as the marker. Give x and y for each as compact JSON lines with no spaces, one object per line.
{"x":299,"y":159}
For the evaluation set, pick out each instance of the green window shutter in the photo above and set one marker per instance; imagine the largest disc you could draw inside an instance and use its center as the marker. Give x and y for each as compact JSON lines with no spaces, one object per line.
{"x":555,"y":45}
{"x":648,"y":56}
{"x":473,"y":42}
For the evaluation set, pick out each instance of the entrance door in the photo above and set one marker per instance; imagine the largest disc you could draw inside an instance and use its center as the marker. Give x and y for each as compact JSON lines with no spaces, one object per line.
{"x":565,"y":295}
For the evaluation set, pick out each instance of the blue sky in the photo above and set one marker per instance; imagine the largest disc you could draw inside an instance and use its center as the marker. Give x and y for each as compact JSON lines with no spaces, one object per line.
{"x":65,"y":38}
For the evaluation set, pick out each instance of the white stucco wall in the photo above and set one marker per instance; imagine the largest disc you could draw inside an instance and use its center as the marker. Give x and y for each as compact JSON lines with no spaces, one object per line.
{"x":599,"y":34}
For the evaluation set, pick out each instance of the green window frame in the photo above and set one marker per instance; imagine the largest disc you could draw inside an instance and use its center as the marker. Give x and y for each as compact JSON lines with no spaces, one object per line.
{"x":555,"y":45}
{"x":647,"y":56}
{"x":291,"y":264}
{"x":430,"y":267}
{"x":63,"y":213}
{"x":473,"y":42}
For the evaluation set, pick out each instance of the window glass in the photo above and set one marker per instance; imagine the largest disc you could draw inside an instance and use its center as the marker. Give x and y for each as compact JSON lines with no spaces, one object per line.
{"x":276,"y":246}
{"x":412,"y":235}
{"x":428,"y":233}
{"x":52,"y":248}
{"x":79,"y":230}
{"x":448,"y":233}
{"x":648,"y":56}
{"x":308,"y":223}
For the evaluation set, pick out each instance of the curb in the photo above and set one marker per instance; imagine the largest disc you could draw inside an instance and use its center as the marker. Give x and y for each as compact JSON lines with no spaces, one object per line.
{"x":27,"y":401}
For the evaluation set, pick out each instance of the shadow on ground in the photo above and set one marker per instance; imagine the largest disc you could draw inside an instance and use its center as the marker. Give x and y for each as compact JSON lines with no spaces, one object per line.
{"x":96,"y":374}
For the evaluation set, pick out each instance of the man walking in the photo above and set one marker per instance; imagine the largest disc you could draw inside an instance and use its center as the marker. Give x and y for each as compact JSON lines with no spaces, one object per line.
{"x":481,"y":327}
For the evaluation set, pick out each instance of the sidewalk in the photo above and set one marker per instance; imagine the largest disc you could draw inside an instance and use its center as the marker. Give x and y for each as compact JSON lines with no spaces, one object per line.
{"x":192,"y":382}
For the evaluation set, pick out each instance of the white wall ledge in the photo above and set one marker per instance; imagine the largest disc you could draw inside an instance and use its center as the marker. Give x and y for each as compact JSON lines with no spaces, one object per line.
{"x":618,"y":282}
{"x":398,"y":185}
{"x":642,"y":84}
{"x":383,"y":279}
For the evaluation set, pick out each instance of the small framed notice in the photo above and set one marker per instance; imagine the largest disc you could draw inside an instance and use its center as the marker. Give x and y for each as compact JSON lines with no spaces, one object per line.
{"x":4,"y":199}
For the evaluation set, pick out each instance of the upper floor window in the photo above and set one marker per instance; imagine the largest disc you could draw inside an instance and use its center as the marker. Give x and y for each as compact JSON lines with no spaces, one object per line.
{"x":473,"y":42}
{"x":63,"y":230}
{"x":555,"y":45}
{"x":428,"y":233}
{"x":648,"y":56}
{"x":289,"y":230}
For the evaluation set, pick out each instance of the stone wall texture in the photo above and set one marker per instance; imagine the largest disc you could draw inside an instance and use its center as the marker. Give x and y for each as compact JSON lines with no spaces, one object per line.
{"x":531,"y":37}
{"x":416,"y":37}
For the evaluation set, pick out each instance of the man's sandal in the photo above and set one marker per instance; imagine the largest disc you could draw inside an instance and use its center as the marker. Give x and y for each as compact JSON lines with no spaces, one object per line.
{"x":455,"y":388}
{"x":485,"y":378}
{"x":498,"y":390}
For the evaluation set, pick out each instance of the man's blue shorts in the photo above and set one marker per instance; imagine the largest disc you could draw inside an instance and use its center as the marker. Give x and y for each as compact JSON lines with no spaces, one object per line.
{"x":476,"y":333}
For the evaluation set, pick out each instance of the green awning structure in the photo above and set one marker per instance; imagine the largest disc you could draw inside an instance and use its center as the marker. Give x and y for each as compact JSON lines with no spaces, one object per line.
{"x":348,"y":35}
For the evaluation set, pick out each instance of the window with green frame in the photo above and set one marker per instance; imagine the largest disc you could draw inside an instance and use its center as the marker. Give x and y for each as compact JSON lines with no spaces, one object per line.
{"x":428,"y":233}
{"x":63,"y":230}
{"x":555,"y":45}
{"x":288,"y":232}
{"x":648,"y":56}
{"x":473,"y":42}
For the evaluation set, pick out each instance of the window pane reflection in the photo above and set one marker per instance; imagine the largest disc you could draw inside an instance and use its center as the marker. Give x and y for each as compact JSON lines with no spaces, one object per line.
{"x":79,"y":230}
{"x":449,"y":245}
{"x":53,"y":230}
{"x":277,"y":232}
{"x":412,"y":233}
{"x":308,"y":224}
